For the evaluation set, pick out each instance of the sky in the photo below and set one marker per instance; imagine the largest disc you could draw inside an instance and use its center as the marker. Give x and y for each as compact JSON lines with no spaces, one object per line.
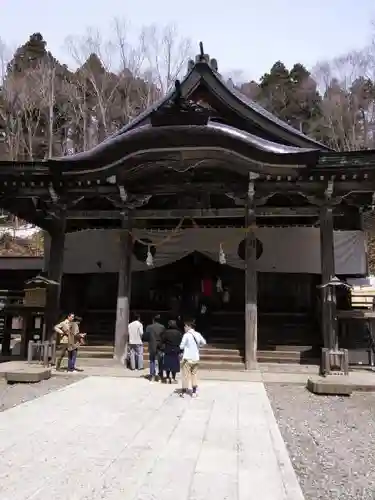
{"x":247,"y":35}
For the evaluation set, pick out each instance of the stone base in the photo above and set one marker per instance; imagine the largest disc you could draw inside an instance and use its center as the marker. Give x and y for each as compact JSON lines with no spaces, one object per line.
{"x":27,"y":375}
{"x":334,"y":362}
{"x":332,"y":386}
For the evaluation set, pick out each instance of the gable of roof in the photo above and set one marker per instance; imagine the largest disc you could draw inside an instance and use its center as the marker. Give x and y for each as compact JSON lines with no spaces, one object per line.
{"x":204,"y":74}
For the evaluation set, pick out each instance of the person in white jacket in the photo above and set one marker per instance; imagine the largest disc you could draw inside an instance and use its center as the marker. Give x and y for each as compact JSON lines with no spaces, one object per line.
{"x":191,"y":342}
{"x":135,"y":330}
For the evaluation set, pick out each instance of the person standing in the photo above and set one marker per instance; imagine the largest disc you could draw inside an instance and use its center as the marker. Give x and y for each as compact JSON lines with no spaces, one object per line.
{"x":153,"y":335}
{"x":171,"y":339}
{"x":62,"y":331}
{"x":75,"y":339}
{"x":191,"y":342}
{"x":136,"y":343}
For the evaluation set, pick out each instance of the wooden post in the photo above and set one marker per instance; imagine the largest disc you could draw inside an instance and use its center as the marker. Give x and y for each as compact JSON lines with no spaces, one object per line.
{"x":362,"y":228}
{"x":327,"y":256}
{"x":251,"y":288}
{"x":123,"y":294}
{"x":55,"y":273}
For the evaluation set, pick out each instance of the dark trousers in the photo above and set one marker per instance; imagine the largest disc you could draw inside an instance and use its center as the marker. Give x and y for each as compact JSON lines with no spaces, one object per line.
{"x":169,"y":374}
{"x":72,"y":358}
{"x":156,"y":358}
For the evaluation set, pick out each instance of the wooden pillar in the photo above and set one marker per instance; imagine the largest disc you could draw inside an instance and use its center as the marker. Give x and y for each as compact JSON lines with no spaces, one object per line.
{"x":55,"y":273}
{"x":327,"y":256}
{"x":124,"y":284}
{"x":251,"y":288}
{"x":362,"y":228}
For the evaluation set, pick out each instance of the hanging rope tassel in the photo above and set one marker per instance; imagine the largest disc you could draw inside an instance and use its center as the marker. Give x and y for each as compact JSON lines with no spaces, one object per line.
{"x":222,"y":258}
{"x":149,"y":260}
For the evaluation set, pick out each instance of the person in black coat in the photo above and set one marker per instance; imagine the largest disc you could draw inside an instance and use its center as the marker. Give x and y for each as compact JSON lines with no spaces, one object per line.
{"x":171,"y":339}
{"x":152,"y":335}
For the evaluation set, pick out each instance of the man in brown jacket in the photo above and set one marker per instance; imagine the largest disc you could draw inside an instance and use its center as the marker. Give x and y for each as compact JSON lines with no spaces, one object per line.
{"x":63,"y":332}
{"x":75,"y":339}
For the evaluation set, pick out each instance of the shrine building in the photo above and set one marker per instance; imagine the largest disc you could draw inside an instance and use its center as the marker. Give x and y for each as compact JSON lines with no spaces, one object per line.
{"x":204,"y":185}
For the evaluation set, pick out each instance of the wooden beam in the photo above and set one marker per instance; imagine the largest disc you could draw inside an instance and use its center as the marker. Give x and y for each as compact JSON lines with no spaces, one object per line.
{"x":29,"y":214}
{"x":314,"y":187}
{"x":263,"y":188}
{"x":199,"y":213}
{"x":140,"y":188}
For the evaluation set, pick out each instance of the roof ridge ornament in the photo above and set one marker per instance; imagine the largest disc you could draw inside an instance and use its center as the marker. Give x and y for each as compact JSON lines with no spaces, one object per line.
{"x":179,"y":111}
{"x":201,"y":55}
{"x":203,"y":58}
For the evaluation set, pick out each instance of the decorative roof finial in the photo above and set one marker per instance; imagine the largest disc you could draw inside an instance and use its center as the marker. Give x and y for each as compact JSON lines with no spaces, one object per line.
{"x":203,"y":58}
{"x":201,"y":51}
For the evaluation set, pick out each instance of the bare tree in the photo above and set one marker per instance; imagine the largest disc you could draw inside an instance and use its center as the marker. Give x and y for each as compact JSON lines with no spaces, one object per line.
{"x":108,"y":75}
{"x":30,"y":106}
{"x":10,"y":121}
{"x":13,"y":137}
{"x":4,"y":58}
{"x":136,"y":90}
{"x":45,"y":77}
{"x":119,"y":77}
{"x":167,"y":54}
{"x":94,"y":77}
{"x":347,"y":108}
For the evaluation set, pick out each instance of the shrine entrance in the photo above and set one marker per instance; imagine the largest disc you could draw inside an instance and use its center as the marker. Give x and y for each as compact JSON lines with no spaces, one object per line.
{"x":194,"y":287}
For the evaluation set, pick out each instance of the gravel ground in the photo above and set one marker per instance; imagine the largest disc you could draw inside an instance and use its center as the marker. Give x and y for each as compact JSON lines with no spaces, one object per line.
{"x":16,"y":394}
{"x":331,"y":441}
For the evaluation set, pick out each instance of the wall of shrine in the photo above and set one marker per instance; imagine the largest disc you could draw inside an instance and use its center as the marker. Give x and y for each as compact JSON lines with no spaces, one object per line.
{"x":280,"y":250}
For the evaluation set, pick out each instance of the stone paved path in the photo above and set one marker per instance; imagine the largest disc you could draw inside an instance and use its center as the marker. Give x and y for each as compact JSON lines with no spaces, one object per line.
{"x":116,"y":438}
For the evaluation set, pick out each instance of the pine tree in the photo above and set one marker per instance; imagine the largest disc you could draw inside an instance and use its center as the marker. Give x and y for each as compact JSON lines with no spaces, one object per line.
{"x":29,"y":55}
{"x":275,"y":89}
{"x":304,"y":101}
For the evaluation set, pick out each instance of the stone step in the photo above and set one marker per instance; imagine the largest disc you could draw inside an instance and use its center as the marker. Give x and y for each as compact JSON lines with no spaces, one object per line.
{"x":107,"y":347}
{"x":209,"y":349}
{"x":288,"y":357}
{"x":291,"y":348}
{"x":223,"y":357}
{"x":227,"y":334}
{"x":212,"y":348}
{"x":213,"y":364}
{"x":204,"y":364}
{"x":279,"y":354}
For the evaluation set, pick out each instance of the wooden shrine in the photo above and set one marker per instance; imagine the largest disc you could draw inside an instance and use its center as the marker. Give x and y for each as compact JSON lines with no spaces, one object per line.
{"x":204,"y":152}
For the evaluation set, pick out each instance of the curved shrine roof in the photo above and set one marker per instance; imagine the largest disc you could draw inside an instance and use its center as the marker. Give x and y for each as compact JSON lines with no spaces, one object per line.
{"x":241,"y":130}
{"x":202,"y":74}
{"x":207,"y":145}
